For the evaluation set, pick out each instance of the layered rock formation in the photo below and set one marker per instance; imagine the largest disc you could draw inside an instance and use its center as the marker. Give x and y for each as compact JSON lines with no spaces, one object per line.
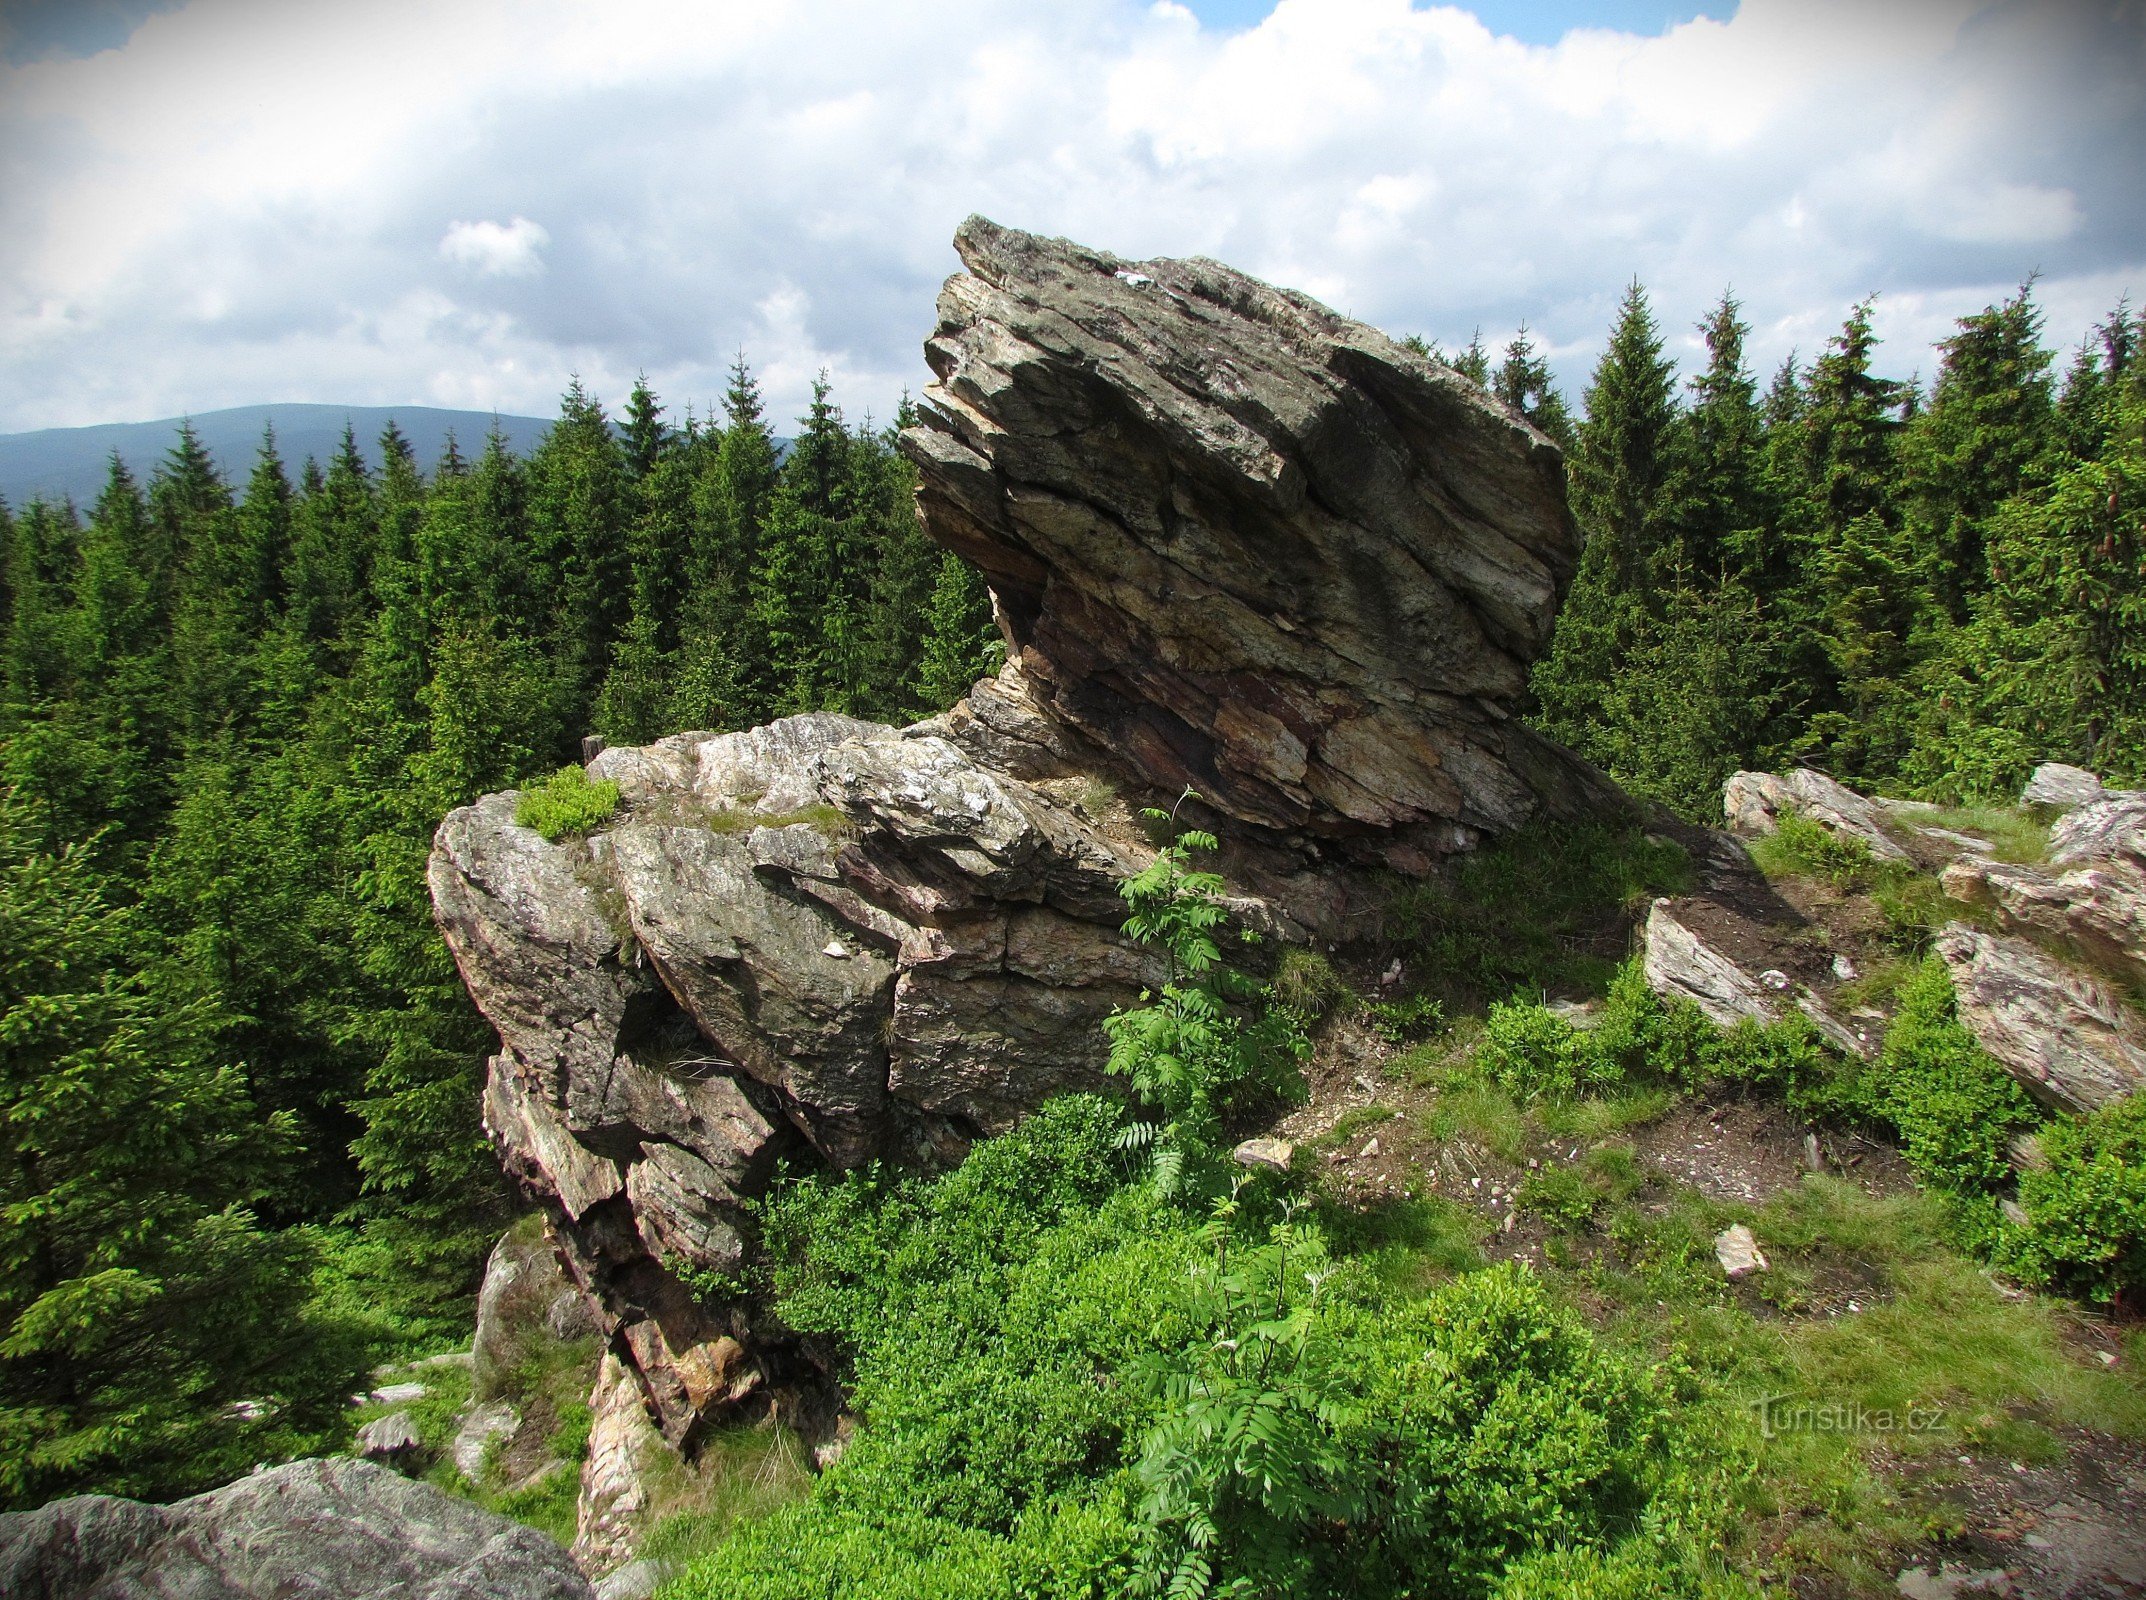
{"x":1245,"y":544}
{"x":2092,"y":895}
{"x":1234,"y":541}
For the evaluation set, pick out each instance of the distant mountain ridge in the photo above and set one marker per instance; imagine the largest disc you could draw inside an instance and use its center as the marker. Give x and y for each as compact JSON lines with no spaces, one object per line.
{"x":71,"y":463}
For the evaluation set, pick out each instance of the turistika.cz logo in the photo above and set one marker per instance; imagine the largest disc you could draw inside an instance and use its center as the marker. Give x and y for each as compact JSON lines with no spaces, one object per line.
{"x":1782,"y":1413}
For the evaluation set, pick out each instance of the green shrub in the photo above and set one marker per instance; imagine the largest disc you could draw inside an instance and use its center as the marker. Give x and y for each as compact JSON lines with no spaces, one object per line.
{"x":566,"y":803}
{"x":1070,"y":1387}
{"x":1306,"y":981}
{"x":1800,"y":847}
{"x":1956,"y":1110}
{"x":1569,"y":1197}
{"x":1532,"y":1053}
{"x":1209,"y":1038}
{"x":1407,"y":1020}
{"x":1559,"y":1195}
{"x":2087,"y":1204}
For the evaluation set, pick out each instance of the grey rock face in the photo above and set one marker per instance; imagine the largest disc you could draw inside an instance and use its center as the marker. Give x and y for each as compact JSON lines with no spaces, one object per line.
{"x":2064,"y":1034}
{"x":1245,"y":544}
{"x":2092,"y":896}
{"x":1679,"y":963}
{"x":311,"y":1530}
{"x":2055,"y":784}
{"x":1754,"y":802}
{"x":391,"y":1440}
{"x":825,"y":938}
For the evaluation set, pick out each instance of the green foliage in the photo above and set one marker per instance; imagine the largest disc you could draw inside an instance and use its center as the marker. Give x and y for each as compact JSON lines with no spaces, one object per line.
{"x":1306,"y":981}
{"x":567,"y":803}
{"x":1069,"y":1386}
{"x":1570,"y":1196}
{"x":1803,"y":847}
{"x":1529,"y":912}
{"x":1932,"y":597}
{"x":1415,"y":1016}
{"x":246,"y":718}
{"x":1208,"y":1036}
{"x":153,"y":1335}
{"x":1530,"y":1052}
{"x":2086,"y":1204}
{"x":1956,"y":1110}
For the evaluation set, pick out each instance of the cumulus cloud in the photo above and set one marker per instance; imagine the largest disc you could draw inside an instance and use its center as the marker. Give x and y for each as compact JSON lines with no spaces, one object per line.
{"x":496,"y":249}
{"x":253,"y":202}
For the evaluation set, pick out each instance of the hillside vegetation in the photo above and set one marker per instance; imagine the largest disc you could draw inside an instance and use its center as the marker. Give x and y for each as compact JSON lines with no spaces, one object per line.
{"x":242,"y":1160}
{"x":242,"y":1156}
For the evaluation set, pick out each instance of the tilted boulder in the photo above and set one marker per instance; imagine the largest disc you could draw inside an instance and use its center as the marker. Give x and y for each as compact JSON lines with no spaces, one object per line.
{"x":2063,"y":1033}
{"x":1755,"y":802}
{"x":339,"y":1527}
{"x":1680,"y":962}
{"x":1248,"y":545}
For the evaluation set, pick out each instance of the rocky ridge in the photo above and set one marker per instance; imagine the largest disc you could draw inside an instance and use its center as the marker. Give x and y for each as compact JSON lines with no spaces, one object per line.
{"x":1235,"y":542}
{"x":2044,"y":964}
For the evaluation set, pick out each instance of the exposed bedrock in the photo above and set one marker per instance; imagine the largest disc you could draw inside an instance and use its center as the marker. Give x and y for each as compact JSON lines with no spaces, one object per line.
{"x":1249,"y":545}
{"x":1235,"y":541}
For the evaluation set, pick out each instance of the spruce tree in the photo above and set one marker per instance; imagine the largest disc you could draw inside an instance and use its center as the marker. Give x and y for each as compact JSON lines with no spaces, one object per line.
{"x":578,"y":520}
{"x":1990,"y":425}
{"x":1623,"y":467}
{"x":1523,"y":382}
{"x":140,"y":1300}
{"x":960,"y":644}
{"x":1720,"y":505}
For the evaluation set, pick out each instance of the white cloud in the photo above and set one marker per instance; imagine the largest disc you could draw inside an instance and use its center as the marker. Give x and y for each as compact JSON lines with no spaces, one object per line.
{"x":253,"y":202}
{"x":496,"y":249}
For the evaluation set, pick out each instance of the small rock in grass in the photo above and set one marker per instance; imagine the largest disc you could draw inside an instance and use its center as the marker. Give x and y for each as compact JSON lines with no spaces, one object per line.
{"x":636,"y":1580}
{"x":1813,"y":1156}
{"x":1271,"y":1155}
{"x":2015,"y":1213}
{"x":396,"y":1394}
{"x":480,"y":1425}
{"x":1372,"y":1148}
{"x":1844,"y":969}
{"x":1952,"y":1581}
{"x":1774,"y":978}
{"x":1738,"y":1252}
{"x":391,"y":1440}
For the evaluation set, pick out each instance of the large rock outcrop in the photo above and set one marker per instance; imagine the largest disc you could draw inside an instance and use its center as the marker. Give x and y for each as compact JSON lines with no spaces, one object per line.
{"x":2092,"y":895}
{"x":1245,"y":544}
{"x":1234,"y":541}
{"x":310,"y":1530}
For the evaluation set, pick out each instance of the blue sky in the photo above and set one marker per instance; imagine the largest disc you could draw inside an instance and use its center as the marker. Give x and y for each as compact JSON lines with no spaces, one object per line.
{"x":214,"y":203}
{"x":1531,"y":21}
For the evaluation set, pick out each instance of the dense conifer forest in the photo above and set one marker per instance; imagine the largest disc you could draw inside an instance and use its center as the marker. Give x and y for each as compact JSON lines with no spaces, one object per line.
{"x":242,"y":1156}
